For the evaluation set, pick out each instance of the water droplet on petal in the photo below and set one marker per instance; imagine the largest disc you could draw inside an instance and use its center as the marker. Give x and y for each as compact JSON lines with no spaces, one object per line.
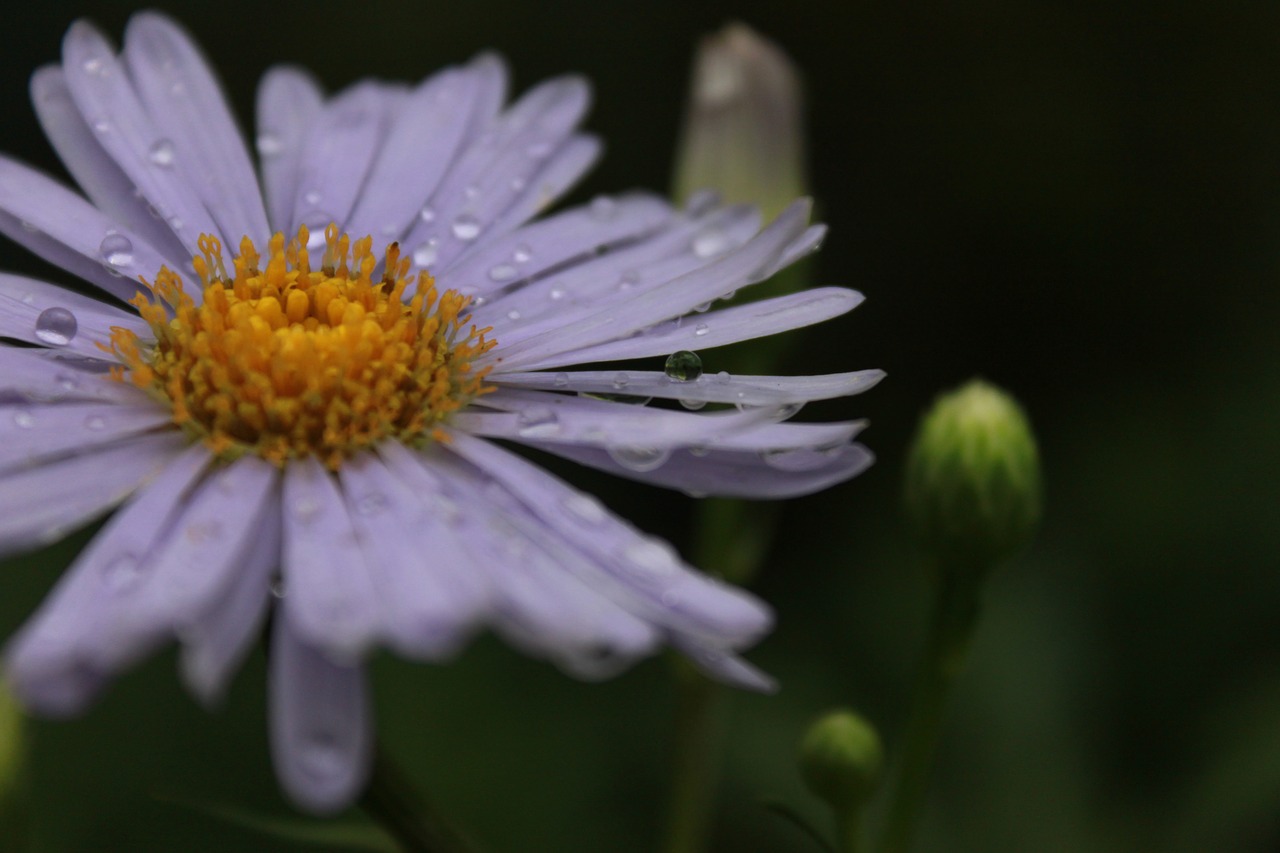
{"x":560,"y":380}
{"x":427,"y":214}
{"x":538,"y":422}
{"x":94,"y":65}
{"x":97,"y":423}
{"x":556,"y":293}
{"x":116,"y":250}
{"x":101,"y":125}
{"x":122,"y":571}
{"x":539,"y":150}
{"x":503,"y":272}
{"x":29,"y":227}
{"x":620,"y":380}
{"x":628,"y":280}
{"x":312,"y":197}
{"x":723,"y":377}
{"x":269,"y":144}
{"x":23,"y":419}
{"x":372,"y":503}
{"x":522,"y":254}
{"x":709,"y":244}
{"x":683,"y":366}
{"x":56,"y":326}
{"x":700,"y":329}
{"x":466,"y":227}
{"x":518,"y":184}
{"x":639,"y":459}
{"x":694,"y":405}
{"x":585,"y":507}
{"x":426,"y":254}
{"x":513,"y":315}
{"x":161,"y":153}
{"x":652,"y":556}
{"x":603,"y":208}
{"x":306,"y":509}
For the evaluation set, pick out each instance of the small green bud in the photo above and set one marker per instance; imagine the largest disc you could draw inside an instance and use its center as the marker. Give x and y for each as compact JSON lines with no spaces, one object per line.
{"x":840,"y":760}
{"x":973,"y":477}
{"x":742,"y":131}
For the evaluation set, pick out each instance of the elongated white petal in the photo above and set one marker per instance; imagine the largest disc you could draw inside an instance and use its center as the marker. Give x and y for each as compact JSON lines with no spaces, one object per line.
{"x":31,"y":434}
{"x":706,"y":388}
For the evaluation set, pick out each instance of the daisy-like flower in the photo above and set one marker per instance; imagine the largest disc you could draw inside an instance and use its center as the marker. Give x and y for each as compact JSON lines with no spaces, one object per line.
{"x":299,"y":424}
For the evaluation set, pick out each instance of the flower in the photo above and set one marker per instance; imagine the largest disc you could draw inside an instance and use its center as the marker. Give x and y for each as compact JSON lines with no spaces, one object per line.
{"x":305,"y":404}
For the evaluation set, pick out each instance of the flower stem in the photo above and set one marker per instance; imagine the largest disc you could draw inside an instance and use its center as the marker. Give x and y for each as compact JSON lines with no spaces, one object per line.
{"x":955,"y":614}
{"x":392,"y":802}
{"x":733,"y":538}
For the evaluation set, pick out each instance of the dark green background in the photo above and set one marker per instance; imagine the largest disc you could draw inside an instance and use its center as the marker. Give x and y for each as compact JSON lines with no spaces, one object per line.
{"x":1079,"y":201}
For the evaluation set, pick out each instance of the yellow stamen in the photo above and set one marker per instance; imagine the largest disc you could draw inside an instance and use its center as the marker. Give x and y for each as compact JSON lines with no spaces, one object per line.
{"x":286,"y":362}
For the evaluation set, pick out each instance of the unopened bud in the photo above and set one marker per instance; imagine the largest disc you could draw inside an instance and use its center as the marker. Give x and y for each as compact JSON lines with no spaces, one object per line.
{"x":840,"y":760}
{"x":742,"y":135}
{"x":973,"y":477}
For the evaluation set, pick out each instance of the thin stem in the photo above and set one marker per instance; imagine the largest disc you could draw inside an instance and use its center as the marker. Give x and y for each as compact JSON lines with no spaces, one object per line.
{"x":955,"y":614}
{"x":733,"y":538}
{"x":849,"y":833}
{"x":392,"y":802}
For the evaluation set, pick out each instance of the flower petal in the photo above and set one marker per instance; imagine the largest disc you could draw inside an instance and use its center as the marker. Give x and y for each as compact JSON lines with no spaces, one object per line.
{"x":289,"y":103}
{"x":707,"y":388}
{"x":42,"y":504}
{"x":102,"y":90}
{"x":328,"y":596}
{"x":430,"y":603}
{"x":33,"y":434}
{"x":214,"y":645}
{"x":321,"y":723}
{"x":642,"y":573}
{"x":53,"y":662}
{"x":24,"y":301}
{"x":64,"y":229}
{"x":758,"y":319}
{"x":41,"y":376}
{"x":186,"y":104}
{"x":97,"y":174}
{"x":733,"y":473}
{"x":562,"y":170}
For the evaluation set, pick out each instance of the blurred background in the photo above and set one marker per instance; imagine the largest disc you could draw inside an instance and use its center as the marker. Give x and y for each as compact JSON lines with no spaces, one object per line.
{"x":1078,"y":201}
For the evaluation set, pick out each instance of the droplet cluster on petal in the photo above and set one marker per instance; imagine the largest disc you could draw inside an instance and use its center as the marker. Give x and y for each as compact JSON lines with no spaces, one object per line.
{"x":285,"y":361}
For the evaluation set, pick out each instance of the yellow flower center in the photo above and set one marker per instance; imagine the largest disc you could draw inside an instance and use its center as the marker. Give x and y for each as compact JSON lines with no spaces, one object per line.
{"x":284,"y":361}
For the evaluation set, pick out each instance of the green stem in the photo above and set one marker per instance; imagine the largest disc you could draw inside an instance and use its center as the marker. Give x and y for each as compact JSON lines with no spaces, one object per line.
{"x":733,"y":538}
{"x":393,"y":803}
{"x":849,"y":832}
{"x":955,"y":614}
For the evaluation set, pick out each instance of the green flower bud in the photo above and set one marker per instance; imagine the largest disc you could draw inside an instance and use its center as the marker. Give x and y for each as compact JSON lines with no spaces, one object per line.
{"x":742,"y":132}
{"x":973,"y":477}
{"x":840,"y":760}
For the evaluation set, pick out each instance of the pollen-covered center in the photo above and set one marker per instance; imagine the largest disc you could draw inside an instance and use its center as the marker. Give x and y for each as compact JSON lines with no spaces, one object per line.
{"x":285,"y":361}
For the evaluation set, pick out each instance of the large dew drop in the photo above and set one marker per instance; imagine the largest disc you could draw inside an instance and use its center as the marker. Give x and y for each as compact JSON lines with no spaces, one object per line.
{"x":639,"y":459}
{"x":116,"y":250}
{"x":56,"y":326}
{"x":683,"y":366}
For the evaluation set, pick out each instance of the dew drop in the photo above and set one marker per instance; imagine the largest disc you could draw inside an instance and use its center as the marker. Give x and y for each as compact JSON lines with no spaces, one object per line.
{"x":174,"y":223}
{"x":683,"y":366}
{"x":703,"y":308}
{"x":277,"y":587}
{"x":603,"y":208}
{"x":101,"y":125}
{"x":518,"y":184}
{"x":802,"y":459}
{"x":522,"y":254}
{"x":122,"y":571}
{"x":652,"y":556}
{"x":694,"y":405}
{"x":67,"y":382}
{"x":97,"y":423}
{"x":371,"y":504}
{"x":560,"y":380}
{"x":709,"y":244}
{"x":472,"y":192}
{"x":538,"y":422}
{"x":56,"y":326}
{"x":698,"y":451}
{"x":556,"y":294}
{"x":503,"y":272}
{"x":161,"y":153}
{"x":620,"y":381}
{"x":513,"y":315}
{"x":95,"y":65}
{"x":700,"y":329}
{"x":116,"y":250}
{"x":585,"y":507}
{"x":23,"y":419}
{"x":30,"y":227}
{"x":426,"y":254}
{"x":627,"y":281}
{"x":723,"y":377}
{"x":639,"y":459}
{"x":466,"y":227}
{"x":539,"y":150}
{"x":269,"y":144}
{"x":305,"y":510}
{"x":312,"y":197}
{"x":427,"y":214}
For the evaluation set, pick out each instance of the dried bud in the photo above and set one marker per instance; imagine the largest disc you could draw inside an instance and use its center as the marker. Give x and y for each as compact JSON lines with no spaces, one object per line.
{"x":742,"y":134}
{"x":973,"y":477}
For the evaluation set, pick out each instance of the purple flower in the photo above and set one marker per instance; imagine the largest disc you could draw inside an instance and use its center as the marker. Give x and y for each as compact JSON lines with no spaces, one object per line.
{"x":299,"y":424}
